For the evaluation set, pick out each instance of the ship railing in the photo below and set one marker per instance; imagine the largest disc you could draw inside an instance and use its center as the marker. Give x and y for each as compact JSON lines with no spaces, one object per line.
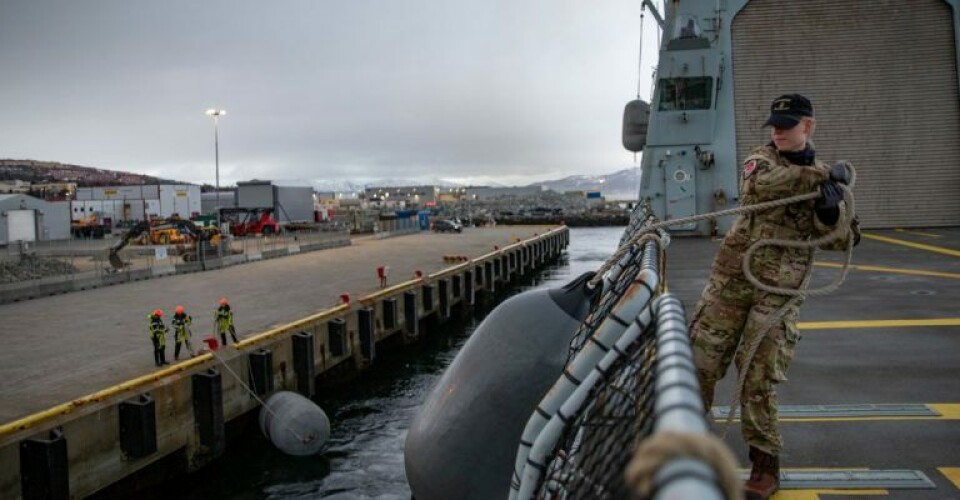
{"x":629,"y":377}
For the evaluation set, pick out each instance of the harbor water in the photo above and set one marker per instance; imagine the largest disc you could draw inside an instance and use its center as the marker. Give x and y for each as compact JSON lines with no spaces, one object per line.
{"x":370,"y":414}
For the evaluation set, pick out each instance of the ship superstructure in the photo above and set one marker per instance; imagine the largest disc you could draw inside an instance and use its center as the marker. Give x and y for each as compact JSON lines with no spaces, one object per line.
{"x":882,"y":75}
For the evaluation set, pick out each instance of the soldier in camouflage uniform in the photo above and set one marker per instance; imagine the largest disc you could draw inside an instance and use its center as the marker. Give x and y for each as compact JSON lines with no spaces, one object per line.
{"x":732,"y":309}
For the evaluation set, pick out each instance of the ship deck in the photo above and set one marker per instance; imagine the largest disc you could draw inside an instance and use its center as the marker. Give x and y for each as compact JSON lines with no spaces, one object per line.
{"x":890,"y":335}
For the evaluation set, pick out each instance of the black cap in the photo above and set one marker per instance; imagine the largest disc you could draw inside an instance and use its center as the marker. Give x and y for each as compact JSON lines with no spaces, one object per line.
{"x":787,"y":110}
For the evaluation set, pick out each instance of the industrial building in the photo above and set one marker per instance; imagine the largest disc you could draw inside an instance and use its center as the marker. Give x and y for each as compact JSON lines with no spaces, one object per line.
{"x":136,"y":203}
{"x":210,"y":202}
{"x":487,"y":192}
{"x":14,"y":187}
{"x":25,"y":218}
{"x":409,"y":195}
{"x":290,"y":201}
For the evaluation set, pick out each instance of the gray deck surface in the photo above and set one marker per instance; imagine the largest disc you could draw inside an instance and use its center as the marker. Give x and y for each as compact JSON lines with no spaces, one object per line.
{"x":56,"y":349}
{"x":865,"y":365}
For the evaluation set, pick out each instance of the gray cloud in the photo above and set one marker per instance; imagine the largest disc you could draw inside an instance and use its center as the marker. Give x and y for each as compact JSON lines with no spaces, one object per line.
{"x":321,"y":89}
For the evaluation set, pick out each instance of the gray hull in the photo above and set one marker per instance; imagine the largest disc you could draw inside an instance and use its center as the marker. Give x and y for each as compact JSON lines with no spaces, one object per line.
{"x":464,"y":440}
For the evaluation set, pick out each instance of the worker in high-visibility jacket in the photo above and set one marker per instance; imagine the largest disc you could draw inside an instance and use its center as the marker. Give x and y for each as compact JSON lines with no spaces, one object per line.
{"x":158,"y":335}
{"x":223,"y":317}
{"x":181,"y":331}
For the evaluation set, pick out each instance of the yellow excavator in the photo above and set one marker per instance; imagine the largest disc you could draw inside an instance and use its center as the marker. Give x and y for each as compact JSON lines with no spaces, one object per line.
{"x":174,"y":231}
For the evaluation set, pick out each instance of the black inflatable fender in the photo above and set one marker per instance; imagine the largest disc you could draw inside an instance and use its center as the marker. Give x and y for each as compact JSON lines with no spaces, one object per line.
{"x":464,"y":440}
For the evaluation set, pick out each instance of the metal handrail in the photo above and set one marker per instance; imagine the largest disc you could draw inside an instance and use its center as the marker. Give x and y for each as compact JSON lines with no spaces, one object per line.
{"x":637,"y":296}
{"x":678,"y":406}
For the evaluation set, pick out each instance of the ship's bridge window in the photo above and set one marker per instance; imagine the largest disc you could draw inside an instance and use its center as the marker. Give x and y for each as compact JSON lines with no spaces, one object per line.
{"x":681,"y":94}
{"x":686,"y":26}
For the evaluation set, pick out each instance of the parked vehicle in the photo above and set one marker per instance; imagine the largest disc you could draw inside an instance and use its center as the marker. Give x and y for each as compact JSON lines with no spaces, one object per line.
{"x":90,"y":226}
{"x":443,"y":226}
{"x":248,"y":221}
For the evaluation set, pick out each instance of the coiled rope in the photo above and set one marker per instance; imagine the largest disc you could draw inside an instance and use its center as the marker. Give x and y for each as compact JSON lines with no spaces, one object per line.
{"x":662,"y":447}
{"x":841,"y":231}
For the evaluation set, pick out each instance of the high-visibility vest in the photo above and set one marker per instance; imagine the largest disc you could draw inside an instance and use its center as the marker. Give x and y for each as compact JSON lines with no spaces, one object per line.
{"x":180,"y":325}
{"x":224,"y":318}
{"x":157,"y":330}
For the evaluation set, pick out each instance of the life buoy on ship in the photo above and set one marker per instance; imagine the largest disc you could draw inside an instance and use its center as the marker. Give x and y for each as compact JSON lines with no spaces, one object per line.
{"x":463,"y":442}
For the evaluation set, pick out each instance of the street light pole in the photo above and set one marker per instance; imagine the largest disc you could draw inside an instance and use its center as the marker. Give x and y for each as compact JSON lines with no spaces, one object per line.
{"x":216,"y":114}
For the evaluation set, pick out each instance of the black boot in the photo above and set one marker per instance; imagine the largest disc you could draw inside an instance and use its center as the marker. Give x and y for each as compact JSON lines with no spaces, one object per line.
{"x":233,"y":333}
{"x":156,"y":356}
{"x":176,"y":352}
{"x":223,"y":339}
{"x":163,"y":356}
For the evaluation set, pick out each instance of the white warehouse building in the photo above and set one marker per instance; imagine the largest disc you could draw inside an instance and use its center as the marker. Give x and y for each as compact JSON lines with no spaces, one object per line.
{"x":136,"y":203}
{"x":25,"y":218}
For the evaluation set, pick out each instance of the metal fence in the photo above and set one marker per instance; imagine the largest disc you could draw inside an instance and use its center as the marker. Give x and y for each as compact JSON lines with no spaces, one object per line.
{"x":58,"y":266}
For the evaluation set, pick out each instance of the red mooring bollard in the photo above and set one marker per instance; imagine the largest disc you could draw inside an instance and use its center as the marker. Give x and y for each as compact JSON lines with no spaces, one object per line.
{"x":345,"y":298}
{"x":211,"y":342}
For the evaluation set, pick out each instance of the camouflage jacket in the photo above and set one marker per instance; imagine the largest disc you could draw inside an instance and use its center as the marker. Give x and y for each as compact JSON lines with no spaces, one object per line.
{"x":767,"y":177}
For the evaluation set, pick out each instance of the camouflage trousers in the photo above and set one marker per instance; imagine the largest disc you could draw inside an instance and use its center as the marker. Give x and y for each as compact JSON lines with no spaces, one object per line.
{"x":729,"y":310}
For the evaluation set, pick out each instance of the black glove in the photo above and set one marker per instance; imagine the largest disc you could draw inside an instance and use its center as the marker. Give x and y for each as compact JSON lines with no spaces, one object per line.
{"x":827,"y":205}
{"x":840,"y":173}
{"x":855,"y":227}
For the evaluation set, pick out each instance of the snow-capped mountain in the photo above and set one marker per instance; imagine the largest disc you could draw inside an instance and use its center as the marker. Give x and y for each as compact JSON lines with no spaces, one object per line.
{"x":622,"y":184}
{"x":617,"y":185}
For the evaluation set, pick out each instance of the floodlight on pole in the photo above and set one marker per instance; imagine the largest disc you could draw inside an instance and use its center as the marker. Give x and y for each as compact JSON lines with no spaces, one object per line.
{"x":216,"y":114}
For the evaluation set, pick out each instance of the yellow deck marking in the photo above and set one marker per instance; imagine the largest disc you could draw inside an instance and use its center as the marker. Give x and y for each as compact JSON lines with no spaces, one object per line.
{"x":920,"y":246}
{"x":815,"y":494}
{"x":895,"y":270}
{"x":918,"y":233}
{"x":947,"y":411}
{"x":877,"y":323}
{"x":952,"y":473}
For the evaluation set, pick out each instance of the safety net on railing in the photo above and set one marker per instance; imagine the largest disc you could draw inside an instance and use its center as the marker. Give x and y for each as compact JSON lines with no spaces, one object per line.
{"x":629,"y":376}
{"x":599,"y":442}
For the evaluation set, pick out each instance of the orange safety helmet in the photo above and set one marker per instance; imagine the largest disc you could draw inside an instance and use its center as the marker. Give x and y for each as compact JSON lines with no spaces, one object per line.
{"x":158,"y":313}
{"x":223,"y":301}
{"x":180,"y":310}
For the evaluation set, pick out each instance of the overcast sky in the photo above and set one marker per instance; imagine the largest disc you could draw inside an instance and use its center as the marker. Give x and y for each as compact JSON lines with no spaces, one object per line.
{"x":511,"y":91}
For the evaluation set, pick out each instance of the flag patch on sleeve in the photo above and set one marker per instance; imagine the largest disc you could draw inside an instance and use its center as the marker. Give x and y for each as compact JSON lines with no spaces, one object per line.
{"x":749,"y":167}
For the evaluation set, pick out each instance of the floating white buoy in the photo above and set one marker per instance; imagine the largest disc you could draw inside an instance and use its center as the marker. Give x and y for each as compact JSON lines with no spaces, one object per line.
{"x":294,"y":424}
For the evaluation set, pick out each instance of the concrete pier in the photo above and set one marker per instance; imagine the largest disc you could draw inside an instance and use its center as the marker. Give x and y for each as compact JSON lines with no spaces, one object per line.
{"x":84,"y":407}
